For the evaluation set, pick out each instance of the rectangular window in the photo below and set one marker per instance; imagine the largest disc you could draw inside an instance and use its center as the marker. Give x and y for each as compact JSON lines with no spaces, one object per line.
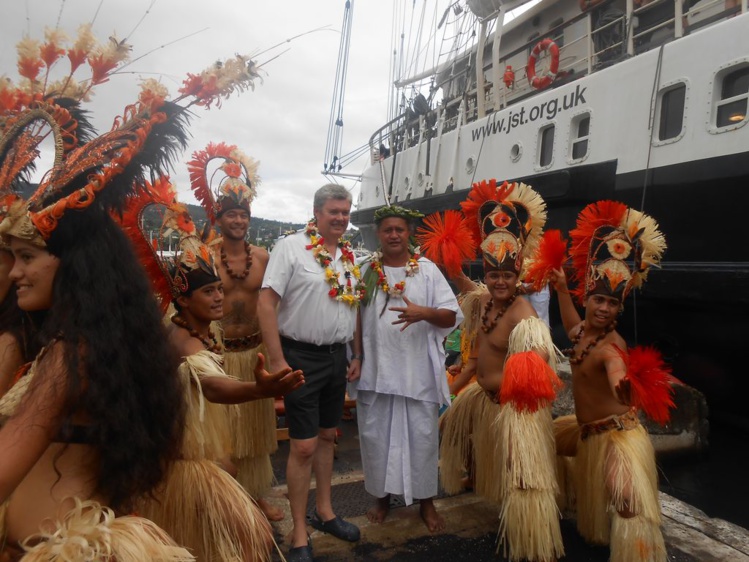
{"x":547,"y":146}
{"x":672,"y":112}
{"x":732,"y":107}
{"x":580,"y":133}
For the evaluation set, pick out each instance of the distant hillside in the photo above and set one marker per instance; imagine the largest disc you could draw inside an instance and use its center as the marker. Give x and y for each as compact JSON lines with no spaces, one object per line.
{"x":263,"y":232}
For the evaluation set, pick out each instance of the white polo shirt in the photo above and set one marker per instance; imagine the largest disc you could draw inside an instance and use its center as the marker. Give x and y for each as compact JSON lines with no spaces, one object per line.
{"x":306,"y":312}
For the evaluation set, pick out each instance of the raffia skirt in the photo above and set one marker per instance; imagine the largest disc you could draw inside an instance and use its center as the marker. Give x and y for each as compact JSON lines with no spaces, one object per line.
{"x":613,"y":471}
{"x":90,"y":532}
{"x":206,"y":510}
{"x":254,"y":428}
{"x":522,"y":480}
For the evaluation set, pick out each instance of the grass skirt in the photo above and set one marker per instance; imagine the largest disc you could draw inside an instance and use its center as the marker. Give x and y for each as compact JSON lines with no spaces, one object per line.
{"x":90,"y":532}
{"x":616,"y":470}
{"x":207,"y":434}
{"x":206,"y":510}
{"x":566,"y":435}
{"x":470,"y":411}
{"x":529,"y":517}
{"x":254,"y":428}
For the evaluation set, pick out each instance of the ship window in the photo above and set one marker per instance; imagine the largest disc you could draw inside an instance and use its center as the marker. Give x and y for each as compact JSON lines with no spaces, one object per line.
{"x":732,"y":107}
{"x":546,"y":151}
{"x":580,"y":133}
{"x":672,"y":112}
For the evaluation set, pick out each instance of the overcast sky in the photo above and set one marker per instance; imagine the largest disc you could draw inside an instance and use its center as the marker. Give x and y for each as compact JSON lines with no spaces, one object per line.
{"x":284,"y":122}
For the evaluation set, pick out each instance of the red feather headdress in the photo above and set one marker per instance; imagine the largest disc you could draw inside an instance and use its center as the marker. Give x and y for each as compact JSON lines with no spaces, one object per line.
{"x":237,"y":186}
{"x":612,"y":249}
{"x":160,"y":192}
{"x":447,"y":240}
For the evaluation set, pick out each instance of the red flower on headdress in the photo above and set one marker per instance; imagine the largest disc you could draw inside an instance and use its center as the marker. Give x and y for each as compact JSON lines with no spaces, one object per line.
{"x":501,"y":220}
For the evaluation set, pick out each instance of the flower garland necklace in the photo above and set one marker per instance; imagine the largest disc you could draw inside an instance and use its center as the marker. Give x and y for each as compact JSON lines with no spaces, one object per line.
{"x":412,"y":268}
{"x":248,"y":263}
{"x":210,"y":342}
{"x":349,"y":293}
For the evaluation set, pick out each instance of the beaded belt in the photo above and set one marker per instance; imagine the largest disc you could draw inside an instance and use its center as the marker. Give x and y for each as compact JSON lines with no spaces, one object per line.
{"x":623,"y":422}
{"x":243,"y":343}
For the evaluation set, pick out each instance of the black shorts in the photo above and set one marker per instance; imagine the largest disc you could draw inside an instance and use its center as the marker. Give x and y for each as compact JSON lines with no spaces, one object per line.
{"x":318,"y":403}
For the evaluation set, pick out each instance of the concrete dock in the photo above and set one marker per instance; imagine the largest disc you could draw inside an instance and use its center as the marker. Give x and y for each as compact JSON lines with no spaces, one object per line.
{"x":471,"y":525}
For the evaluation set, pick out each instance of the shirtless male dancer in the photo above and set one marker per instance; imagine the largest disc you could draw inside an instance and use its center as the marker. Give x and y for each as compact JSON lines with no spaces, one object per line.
{"x":241,"y":267}
{"x":499,"y":429}
{"x":613,"y":473}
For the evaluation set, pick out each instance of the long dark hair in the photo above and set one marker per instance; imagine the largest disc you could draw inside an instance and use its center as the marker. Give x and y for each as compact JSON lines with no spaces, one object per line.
{"x":18,"y":324}
{"x":121,"y":372}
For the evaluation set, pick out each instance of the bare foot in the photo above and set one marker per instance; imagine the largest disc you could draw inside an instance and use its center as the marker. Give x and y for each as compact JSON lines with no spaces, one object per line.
{"x":433,"y":520}
{"x":272,"y":512}
{"x":380,"y":510}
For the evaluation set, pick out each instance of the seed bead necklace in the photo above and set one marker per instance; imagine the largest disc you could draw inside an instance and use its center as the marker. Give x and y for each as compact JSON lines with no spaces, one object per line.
{"x":248,"y":263}
{"x":210,"y":342}
{"x":484,"y":317}
{"x":576,"y":359}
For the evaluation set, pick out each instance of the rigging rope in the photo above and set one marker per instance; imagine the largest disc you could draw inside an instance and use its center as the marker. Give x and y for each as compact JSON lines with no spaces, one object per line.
{"x":335,"y":126}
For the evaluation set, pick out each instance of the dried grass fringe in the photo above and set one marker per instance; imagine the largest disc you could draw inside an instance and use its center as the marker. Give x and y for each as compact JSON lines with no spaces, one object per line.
{"x":627,"y":459}
{"x":529,"y":517}
{"x":254,"y":426}
{"x":91,"y":533}
{"x":205,"y":509}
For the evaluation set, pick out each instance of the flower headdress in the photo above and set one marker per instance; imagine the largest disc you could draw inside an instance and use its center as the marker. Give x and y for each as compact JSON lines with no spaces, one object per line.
{"x":88,"y":171}
{"x":236,"y":190}
{"x":390,"y":211}
{"x":612,"y":249}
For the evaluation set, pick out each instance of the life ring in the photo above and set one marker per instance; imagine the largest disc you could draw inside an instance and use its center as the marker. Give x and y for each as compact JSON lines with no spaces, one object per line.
{"x":541,"y":82}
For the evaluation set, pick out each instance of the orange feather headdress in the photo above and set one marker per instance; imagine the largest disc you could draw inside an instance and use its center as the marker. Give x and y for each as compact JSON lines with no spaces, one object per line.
{"x":91,"y":171}
{"x":237,"y":188}
{"x":612,"y":249}
{"x":504,"y":222}
{"x":191,"y":265}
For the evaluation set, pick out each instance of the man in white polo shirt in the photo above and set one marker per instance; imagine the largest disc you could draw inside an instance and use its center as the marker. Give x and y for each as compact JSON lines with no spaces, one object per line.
{"x":307,"y":310}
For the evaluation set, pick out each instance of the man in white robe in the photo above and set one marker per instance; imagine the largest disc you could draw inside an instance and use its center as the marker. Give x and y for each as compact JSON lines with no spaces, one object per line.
{"x":398,"y":371}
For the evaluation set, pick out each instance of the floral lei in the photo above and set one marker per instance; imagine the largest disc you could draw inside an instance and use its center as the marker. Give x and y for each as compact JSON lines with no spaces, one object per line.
{"x":349,"y":293}
{"x":412,"y":268}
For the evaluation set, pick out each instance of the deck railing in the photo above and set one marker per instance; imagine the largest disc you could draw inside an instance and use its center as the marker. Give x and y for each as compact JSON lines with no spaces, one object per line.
{"x":609,"y":36}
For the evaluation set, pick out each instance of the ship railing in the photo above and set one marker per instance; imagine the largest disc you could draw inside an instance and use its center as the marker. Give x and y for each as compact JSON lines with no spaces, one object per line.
{"x":604,"y":41}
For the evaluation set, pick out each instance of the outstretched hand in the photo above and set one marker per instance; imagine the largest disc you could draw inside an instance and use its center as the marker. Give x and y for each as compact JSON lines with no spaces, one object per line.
{"x":409,"y":314}
{"x":624,"y":391}
{"x":279,"y":383}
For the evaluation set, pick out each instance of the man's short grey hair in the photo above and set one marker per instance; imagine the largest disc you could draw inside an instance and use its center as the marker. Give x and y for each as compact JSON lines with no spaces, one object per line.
{"x":330,"y":191}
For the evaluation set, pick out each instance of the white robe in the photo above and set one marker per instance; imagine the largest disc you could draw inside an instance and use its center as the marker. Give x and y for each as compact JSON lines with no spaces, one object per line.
{"x":402,"y":386}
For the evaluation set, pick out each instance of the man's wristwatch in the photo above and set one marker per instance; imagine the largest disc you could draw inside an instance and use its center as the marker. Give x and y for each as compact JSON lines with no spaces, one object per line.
{"x":359,"y":357}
